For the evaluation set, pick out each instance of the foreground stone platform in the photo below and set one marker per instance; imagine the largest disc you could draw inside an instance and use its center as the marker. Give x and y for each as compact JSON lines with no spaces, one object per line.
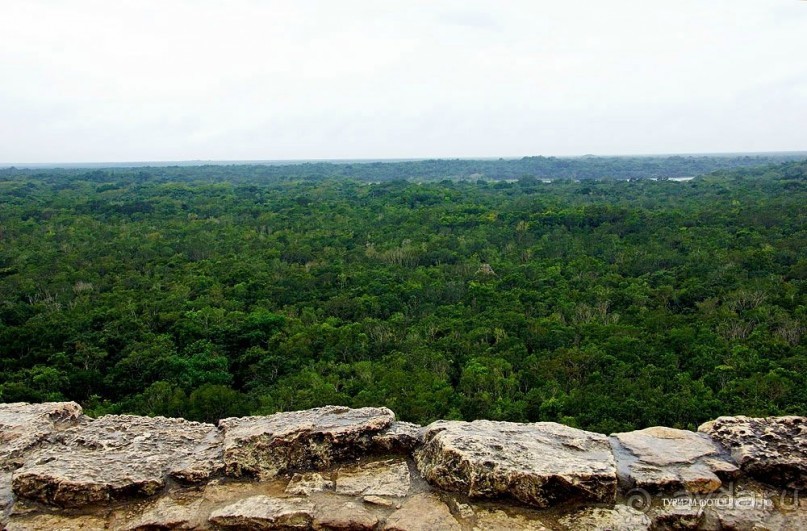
{"x":342,"y":468}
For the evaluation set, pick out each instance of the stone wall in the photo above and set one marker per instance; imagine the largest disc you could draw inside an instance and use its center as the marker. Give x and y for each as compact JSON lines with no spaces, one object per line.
{"x":342,"y":468}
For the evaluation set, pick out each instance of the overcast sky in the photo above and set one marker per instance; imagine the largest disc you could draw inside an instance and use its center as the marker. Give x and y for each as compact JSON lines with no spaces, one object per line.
{"x":245,"y":80}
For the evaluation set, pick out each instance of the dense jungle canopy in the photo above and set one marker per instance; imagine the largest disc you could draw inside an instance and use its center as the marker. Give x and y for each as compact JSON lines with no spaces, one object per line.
{"x":443,"y":289}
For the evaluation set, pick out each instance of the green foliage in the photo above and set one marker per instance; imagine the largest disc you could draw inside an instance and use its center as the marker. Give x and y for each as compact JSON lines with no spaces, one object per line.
{"x":218,"y":291}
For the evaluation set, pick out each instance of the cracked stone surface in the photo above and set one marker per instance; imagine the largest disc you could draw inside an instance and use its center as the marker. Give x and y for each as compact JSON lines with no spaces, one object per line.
{"x":667,"y":459}
{"x":263,"y":512}
{"x":118,"y":456}
{"x":499,"y":520}
{"x":24,"y":426}
{"x":772,"y":450}
{"x":540,"y":464}
{"x":380,"y":478}
{"x":338,"y":514}
{"x":164,"y":513}
{"x":308,"y":483}
{"x":619,"y":518}
{"x":300,"y":440}
{"x":399,"y":437}
{"x":422,"y":512}
{"x":93,"y":474}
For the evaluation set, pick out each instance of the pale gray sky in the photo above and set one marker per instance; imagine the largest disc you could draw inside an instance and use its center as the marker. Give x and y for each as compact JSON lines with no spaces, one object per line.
{"x":101,"y":80}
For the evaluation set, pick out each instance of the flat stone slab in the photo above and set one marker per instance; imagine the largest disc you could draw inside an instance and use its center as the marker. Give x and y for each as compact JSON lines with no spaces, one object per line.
{"x":264,"y":512}
{"x":55,"y":522}
{"x":772,"y":450}
{"x":313,"y":439}
{"x":498,"y":520}
{"x":164,"y":513}
{"x":379,"y":478}
{"x":118,"y":456}
{"x":619,"y":518}
{"x":338,"y":514}
{"x":540,"y":464}
{"x":665,"y":459}
{"x":24,"y":426}
{"x":422,"y":512}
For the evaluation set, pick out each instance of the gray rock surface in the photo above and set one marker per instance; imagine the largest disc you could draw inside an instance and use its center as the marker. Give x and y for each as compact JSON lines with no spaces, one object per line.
{"x":379,"y":478}
{"x":666,"y":459}
{"x":540,"y":464}
{"x":422,"y":512}
{"x":24,"y":426}
{"x":6,"y":495}
{"x":300,"y":440}
{"x":264,"y":512}
{"x":117,"y":457}
{"x":772,"y":450}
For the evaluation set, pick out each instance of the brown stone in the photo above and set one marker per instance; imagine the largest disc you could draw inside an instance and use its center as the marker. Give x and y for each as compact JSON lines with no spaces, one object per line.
{"x":618,"y":518}
{"x":498,"y":520}
{"x":342,"y":515}
{"x":264,"y":512}
{"x":378,"y":478}
{"x":422,"y":512}
{"x":313,"y":439}
{"x":165,"y":513}
{"x":307,"y":483}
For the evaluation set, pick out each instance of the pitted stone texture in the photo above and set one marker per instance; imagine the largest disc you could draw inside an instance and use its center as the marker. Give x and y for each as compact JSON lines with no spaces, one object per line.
{"x":422,"y":512}
{"x":6,"y":495}
{"x":498,"y":520}
{"x":24,"y":426}
{"x":118,"y":456}
{"x":540,"y":464}
{"x":679,"y":517}
{"x":337,"y":514}
{"x":379,"y":478}
{"x":264,"y":512}
{"x":665,"y":459}
{"x":56,"y":522}
{"x":757,"y":508}
{"x":620,"y":518}
{"x":379,"y":501}
{"x":299,"y":440}
{"x":164,"y":513}
{"x":400,"y":437}
{"x":772,"y":450}
{"x":308,"y":483}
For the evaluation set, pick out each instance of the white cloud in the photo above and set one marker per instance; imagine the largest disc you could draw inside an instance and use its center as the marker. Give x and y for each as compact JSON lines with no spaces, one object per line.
{"x":169,"y":80}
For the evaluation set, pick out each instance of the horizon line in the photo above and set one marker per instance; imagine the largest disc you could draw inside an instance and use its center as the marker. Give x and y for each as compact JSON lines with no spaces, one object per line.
{"x":290,"y":162}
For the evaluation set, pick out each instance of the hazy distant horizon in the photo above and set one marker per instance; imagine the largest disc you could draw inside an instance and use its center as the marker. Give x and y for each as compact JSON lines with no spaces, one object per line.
{"x":291,"y":162}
